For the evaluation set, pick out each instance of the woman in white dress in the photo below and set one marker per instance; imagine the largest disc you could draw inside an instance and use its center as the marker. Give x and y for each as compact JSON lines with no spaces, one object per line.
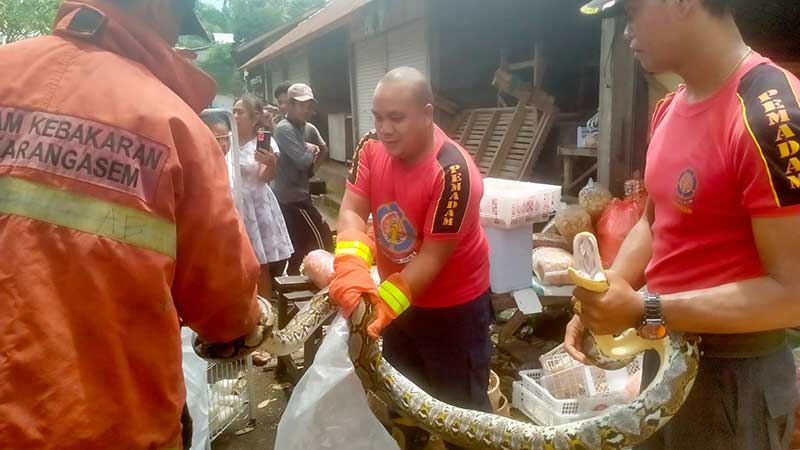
{"x":262,"y":215}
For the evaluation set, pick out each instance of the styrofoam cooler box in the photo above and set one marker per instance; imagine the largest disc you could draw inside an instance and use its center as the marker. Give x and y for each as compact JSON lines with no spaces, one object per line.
{"x":510,"y":263}
{"x":509,"y":204}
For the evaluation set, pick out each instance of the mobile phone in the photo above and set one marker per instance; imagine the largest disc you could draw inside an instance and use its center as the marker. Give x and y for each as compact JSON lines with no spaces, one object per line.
{"x":264,"y":141}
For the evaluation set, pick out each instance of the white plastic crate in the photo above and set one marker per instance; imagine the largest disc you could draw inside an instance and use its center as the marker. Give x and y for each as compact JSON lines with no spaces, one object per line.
{"x":509,"y":204}
{"x":530,"y":397}
{"x":231,"y":394}
{"x":557,"y":360}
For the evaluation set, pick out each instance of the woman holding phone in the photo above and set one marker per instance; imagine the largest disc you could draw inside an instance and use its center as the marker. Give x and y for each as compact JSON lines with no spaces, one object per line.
{"x":262,"y":215}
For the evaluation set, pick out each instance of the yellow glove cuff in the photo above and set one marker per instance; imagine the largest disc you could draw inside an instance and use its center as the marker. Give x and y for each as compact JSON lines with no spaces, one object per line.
{"x":357,"y":248}
{"x":395,"y":293}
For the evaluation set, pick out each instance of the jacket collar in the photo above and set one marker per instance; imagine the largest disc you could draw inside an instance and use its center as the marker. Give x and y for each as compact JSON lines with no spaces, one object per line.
{"x":109,"y":28}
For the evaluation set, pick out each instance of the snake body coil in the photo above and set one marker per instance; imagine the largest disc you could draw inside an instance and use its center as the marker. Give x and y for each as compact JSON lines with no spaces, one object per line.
{"x":619,"y":428}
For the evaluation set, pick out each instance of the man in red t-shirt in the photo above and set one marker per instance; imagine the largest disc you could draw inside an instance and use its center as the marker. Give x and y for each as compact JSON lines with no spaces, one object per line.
{"x":423,"y":191}
{"x":719,"y":244}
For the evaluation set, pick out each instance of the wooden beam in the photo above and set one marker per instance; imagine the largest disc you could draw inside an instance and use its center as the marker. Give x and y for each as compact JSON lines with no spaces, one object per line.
{"x":468,"y":129}
{"x":578,"y":181}
{"x":623,"y":124}
{"x":571,"y":150}
{"x":509,"y":138}
{"x":487,"y":135}
{"x":547,"y":116}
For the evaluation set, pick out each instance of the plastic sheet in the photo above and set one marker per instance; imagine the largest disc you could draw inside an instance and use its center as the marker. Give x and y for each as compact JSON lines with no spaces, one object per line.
{"x":195,"y":374}
{"x":328,"y":409}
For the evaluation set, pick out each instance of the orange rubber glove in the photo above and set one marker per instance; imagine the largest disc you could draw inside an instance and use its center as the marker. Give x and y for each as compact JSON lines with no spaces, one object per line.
{"x":351,"y":271}
{"x":395,"y":297}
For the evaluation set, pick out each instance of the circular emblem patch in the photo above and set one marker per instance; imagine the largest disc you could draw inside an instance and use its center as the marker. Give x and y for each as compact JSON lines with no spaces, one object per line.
{"x":396,"y":235}
{"x":687,"y":184}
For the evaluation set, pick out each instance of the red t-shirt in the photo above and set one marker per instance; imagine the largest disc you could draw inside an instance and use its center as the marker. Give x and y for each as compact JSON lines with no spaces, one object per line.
{"x":436,"y":198}
{"x":714,"y":165}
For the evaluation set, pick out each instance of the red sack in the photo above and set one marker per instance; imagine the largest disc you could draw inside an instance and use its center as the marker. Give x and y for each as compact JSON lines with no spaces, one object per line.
{"x":614,"y":225}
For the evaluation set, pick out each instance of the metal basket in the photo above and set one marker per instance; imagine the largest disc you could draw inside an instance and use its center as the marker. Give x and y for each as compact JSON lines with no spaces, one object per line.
{"x":231,"y":393}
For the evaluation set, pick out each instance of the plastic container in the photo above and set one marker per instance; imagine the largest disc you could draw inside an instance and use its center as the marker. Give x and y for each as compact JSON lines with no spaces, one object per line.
{"x":494,"y":390}
{"x":530,"y":397}
{"x":510,"y":264}
{"x":509,"y":204}
{"x":585,"y":382}
{"x":557,"y":360}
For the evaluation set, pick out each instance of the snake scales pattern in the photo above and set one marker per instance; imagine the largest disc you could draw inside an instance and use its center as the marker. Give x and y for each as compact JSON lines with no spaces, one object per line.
{"x":619,"y":428}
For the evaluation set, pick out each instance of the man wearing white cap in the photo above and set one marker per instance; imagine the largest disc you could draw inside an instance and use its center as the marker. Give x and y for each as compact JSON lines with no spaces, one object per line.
{"x":307,"y":229}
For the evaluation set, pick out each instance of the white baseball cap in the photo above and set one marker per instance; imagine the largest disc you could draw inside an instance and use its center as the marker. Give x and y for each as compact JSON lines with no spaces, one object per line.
{"x":301,"y":92}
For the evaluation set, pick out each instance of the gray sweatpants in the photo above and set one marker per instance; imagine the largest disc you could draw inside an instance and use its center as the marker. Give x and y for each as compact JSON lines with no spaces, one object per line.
{"x":735,"y":404}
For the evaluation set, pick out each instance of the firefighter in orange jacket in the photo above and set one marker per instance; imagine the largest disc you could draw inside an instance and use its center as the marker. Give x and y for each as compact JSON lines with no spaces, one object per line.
{"x":116,"y":225}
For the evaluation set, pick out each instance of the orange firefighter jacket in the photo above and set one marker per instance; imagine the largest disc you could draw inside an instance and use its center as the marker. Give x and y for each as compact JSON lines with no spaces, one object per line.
{"x":116,"y":224}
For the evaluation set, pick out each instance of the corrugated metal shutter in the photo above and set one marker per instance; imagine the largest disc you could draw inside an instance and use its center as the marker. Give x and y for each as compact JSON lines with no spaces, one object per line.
{"x":407,"y":47}
{"x":298,"y":68}
{"x":370,"y":62}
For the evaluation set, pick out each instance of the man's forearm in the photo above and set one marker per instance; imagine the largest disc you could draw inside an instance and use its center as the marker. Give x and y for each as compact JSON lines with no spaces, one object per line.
{"x":421,"y":272}
{"x":351,"y":220}
{"x":758,"y":304}
{"x":635,"y":254}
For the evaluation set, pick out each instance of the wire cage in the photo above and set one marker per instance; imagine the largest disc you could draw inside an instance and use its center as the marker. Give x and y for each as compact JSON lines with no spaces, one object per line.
{"x":231,"y":393}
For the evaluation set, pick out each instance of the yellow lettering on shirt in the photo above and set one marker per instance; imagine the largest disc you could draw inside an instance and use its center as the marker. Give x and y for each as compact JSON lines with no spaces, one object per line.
{"x":793,"y":166}
{"x":784,"y":132}
{"x":768,"y":95}
{"x":778,"y":117}
{"x":788,"y":148}
{"x":772,"y":105}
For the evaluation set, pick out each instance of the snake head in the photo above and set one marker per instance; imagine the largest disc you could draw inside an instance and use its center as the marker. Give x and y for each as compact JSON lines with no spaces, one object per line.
{"x":587,"y":267}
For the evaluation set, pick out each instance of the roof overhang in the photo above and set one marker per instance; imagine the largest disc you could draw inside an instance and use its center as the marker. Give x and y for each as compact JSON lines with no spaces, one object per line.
{"x":332,"y":16}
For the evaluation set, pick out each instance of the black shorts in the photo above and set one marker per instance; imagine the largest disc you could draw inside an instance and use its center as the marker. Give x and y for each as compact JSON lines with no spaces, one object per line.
{"x":445,"y":351}
{"x":307,"y":230}
{"x":735,"y":404}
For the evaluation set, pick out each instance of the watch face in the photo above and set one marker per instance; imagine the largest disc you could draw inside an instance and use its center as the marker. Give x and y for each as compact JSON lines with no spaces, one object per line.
{"x":653,"y":331}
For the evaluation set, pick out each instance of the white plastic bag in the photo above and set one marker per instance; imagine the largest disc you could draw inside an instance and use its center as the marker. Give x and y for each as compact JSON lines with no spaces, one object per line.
{"x":328,"y":409}
{"x":195,"y":374}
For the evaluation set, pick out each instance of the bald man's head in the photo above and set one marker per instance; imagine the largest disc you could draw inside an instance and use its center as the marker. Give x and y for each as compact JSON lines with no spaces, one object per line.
{"x":414,"y":80}
{"x":403,"y":110}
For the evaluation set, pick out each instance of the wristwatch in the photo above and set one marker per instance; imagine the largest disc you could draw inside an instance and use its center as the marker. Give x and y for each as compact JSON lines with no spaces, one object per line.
{"x":653,"y":326}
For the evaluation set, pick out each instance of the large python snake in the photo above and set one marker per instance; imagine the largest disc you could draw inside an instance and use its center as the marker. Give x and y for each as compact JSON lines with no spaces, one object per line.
{"x":620,"y":427}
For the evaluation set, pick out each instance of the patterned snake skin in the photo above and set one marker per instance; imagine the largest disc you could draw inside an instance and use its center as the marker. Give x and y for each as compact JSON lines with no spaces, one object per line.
{"x":621,"y":427}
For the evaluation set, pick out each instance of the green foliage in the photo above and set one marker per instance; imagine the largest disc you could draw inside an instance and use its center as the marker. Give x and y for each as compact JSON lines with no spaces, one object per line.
{"x":213,"y":19}
{"x":252,"y":18}
{"x":20,"y":19}
{"x":218,"y":62}
{"x":246,"y":19}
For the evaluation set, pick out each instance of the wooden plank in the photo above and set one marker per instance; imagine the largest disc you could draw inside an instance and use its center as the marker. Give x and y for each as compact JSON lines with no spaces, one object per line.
{"x":508,"y":139}
{"x":571,"y":150}
{"x":468,"y":129}
{"x":457,"y":125}
{"x":546,"y":114}
{"x":486,"y":136}
{"x":579,"y":181}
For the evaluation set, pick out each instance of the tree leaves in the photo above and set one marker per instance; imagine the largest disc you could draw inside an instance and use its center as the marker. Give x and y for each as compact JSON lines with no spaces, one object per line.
{"x":21,"y":19}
